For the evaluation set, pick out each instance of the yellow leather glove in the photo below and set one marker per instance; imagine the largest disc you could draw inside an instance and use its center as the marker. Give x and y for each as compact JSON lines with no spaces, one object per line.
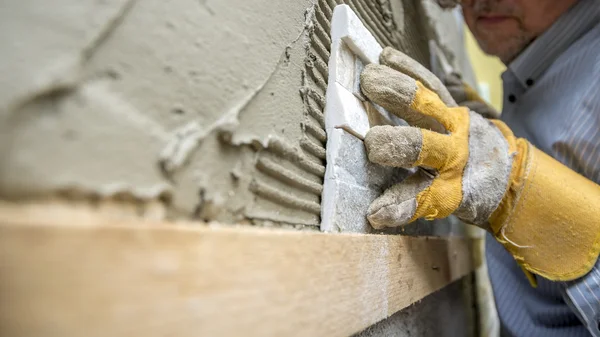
{"x":546,"y":215}
{"x":466,"y":96}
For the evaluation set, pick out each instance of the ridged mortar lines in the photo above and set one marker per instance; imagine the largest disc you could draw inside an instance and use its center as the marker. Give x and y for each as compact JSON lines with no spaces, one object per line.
{"x":322,"y":35}
{"x":372,"y":23}
{"x":376,"y":9}
{"x":313,"y":148}
{"x":277,"y":171}
{"x":414,"y":41}
{"x":322,"y":32}
{"x":316,"y":131}
{"x":319,"y":79}
{"x":383,"y":13}
{"x":320,"y":49}
{"x":369,"y":24}
{"x":296,"y":156}
{"x":309,"y":153}
{"x":316,"y":114}
{"x":318,"y":98}
{"x":323,"y":20}
{"x":388,"y":18}
{"x":321,"y":67}
{"x":331,"y":4}
{"x":316,"y":76}
{"x":284,"y":198}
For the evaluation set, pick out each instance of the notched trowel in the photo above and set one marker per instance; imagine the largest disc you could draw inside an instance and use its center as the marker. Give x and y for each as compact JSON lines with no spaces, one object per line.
{"x":351,"y":181}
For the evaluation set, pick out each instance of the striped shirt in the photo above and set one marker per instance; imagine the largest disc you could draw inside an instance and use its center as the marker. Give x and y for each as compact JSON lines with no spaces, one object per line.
{"x":552,"y":98}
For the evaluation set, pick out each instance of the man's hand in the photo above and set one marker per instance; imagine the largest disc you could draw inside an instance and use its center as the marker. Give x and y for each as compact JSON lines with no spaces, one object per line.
{"x":468,"y":153}
{"x":547,"y":216}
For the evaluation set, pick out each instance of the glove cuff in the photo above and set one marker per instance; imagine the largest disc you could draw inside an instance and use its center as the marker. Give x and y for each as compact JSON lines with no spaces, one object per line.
{"x":549,"y":218}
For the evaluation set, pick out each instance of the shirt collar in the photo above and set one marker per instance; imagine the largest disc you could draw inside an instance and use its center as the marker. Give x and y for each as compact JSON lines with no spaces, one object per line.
{"x":544,"y":50}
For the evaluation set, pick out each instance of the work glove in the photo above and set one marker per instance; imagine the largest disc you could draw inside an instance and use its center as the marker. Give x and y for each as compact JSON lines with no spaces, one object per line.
{"x":466,"y":96}
{"x":448,"y":3}
{"x":545,"y":215}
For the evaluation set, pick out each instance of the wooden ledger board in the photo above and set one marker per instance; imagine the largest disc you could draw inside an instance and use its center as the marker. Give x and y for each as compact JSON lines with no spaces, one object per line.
{"x":90,"y":277}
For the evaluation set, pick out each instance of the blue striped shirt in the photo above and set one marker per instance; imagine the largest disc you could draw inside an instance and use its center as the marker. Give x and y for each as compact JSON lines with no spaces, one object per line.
{"x":552,"y":98}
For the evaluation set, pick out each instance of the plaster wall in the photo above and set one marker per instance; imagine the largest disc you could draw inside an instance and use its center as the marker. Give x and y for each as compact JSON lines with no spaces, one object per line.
{"x":211,"y":108}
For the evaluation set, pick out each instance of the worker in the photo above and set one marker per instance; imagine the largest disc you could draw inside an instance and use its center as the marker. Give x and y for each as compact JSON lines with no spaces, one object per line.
{"x":530,"y":179}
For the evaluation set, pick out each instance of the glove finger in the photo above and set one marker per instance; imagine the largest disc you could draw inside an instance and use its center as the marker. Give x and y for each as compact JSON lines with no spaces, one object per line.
{"x":395,"y":92}
{"x":398,"y":204}
{"x":456,"y":88}
{"x":483,"y":109}
{"x":452,"y":80}
{"x":401,"y":62}
{"x":458,"y":93}
{"x":445,"y":4}
{"x":405,"y":146}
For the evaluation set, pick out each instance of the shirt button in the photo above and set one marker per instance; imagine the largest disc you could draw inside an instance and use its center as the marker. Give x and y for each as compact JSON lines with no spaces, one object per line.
{"x":529,"y":82}
{"x":512,"y":98}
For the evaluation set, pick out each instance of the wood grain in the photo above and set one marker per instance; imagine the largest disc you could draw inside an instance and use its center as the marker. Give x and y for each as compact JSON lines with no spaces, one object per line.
{"x":127,"y":279}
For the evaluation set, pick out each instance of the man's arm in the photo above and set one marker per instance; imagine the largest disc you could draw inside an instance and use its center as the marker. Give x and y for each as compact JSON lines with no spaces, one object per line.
{"x":546,"y":215}
{"x":583,"y":296}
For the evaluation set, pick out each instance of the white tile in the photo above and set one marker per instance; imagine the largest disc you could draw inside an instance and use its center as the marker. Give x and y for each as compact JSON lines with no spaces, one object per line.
{"x":341,"y":65}
{"x":345,"y":25}
{"x":343,"y":108}
{"x":351,"y":182}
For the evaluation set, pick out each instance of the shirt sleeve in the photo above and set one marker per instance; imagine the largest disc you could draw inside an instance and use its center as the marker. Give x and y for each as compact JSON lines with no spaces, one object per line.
{"x":583,"y":296}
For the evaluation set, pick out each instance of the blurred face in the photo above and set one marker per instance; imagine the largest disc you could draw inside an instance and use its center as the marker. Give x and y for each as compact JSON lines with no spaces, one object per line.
{"x":504,"y":28}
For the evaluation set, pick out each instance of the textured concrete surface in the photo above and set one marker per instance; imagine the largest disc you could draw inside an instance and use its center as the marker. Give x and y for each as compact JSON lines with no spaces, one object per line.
{"x":213,"y":109}
{"x":441,"y":314}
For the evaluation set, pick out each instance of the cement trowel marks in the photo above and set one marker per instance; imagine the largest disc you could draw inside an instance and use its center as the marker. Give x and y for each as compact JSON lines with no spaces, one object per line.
{"x":289,"y":174}
{"x":351,"y":182}
{"x":217,"y":114}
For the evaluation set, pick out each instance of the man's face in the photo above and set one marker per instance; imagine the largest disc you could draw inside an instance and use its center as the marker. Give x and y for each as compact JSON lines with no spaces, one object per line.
{"x":505,"y":27}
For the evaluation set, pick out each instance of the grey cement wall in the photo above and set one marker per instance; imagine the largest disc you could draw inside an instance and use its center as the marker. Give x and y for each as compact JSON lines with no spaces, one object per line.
{"x":209,"y":110}
{"x":212,"y":108}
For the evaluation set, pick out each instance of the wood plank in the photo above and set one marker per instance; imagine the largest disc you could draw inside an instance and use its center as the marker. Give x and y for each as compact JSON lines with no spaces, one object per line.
{"x":173,"y":280}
